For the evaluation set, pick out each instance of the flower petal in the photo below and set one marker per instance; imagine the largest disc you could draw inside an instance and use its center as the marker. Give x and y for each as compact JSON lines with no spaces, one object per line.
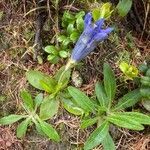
{"x":100,"y":37}
{"x":107,"y":30}
{"x":89,"y":39}
{"x":99,"y":23}
{"x":87,"y":19}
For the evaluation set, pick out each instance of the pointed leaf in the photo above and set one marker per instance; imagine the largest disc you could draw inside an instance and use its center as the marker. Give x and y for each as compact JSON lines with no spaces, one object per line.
{"x":11,"y":119}
{"x":129,"y":99}
{"x":136,"y":116}
{"x":46,"y":86}
{"x":108,"y":143}
{"x":71,"y":107}
{"x":145,"y":92}
{"x":97,"y":136}
{"x":81,"y":99}
{"x":39,"y":129}
{"x":145,"y":81}
{"x":38,"y":99}
{"x":65,"y":78}
{"x":109,"y":82}
{"x":125,"y":121}
{"x":22,"y":128}
{"x":35,"y":78}
{"x":96,"y":14}
{"x":49,"y":131}
{"x":27,"y":100}
{"x":101,"y":94}
{"x":48,"y":108}
{"x":88,"y":122}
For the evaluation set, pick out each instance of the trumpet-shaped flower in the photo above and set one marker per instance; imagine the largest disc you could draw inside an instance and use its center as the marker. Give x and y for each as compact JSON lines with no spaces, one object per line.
{"x":89,"y":39}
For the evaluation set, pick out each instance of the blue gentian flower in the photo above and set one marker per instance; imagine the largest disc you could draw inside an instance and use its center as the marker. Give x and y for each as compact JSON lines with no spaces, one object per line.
{"x":89,"y":39}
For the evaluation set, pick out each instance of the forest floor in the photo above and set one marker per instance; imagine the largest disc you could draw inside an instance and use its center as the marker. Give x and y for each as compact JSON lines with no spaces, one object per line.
{"x":17,"y":31}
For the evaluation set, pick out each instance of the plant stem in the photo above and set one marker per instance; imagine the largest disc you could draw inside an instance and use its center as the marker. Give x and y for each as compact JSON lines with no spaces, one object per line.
{"x":69,"y":65}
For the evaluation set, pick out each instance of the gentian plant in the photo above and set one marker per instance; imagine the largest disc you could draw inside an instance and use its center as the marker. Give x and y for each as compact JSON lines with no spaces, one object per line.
{"x":54,"y":86}
{"x":90,"y":38}
{"x":104,"y":112}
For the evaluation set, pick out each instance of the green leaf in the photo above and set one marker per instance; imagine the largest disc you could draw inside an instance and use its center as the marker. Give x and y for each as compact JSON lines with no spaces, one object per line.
{"x":145,"y":81}
{"x":136,"y":116}
{"x":148,"y":73}
{"x":38,"y":99}
{"x":51,"y":49}
{"x":109,"y":82}
{"x":63,"y":54}
{"x":88,"y":122}
{"x":61,"y":38}
{"x":80,"y":14}
{"x":66,"y":42}
{"x":102,"y":12}
{"x":49,"y":131}
{"x":124,"y":121}
{"x":74,"y":36}
{"x":145,"y":92}
{"x":96,"y":14}
{"x":27,"y":100}
{"x":129,"y":100}
{"x":146,"y":104}
{"x":48,"y":108}
{"x":11,"y":119}
{"x":46,"y":86}
{"x":108,"y":143}
{"x":105,"y":10}
{"x":101,"y":95}
{"x":35,"y":78}
{"x":124,"y":7}
{"x":38,"y":126}
{"x":70,"y":28}
{"x":64,"y":78}
{"x":53,"y":59}
{"x":71,"y":107}
{"x":97,"y":136}
{"x":22,"y":128}
{"x":67,"y":18}
{"x":80,"y":23}
{"x":81,"y":99}
{"x":143,"y":68}
{"x":39,"y":129}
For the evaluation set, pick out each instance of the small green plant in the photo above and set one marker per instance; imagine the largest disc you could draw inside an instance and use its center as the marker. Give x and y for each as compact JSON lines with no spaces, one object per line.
{"x":73,"y":25}
{"x":130,"y":71}
{"x":145,"y":85}
{"x":141,"y":76}
{"x":53,"y":86}
{"x":32,"y":116}
{"x":106,"y":113}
